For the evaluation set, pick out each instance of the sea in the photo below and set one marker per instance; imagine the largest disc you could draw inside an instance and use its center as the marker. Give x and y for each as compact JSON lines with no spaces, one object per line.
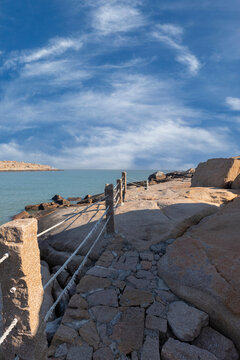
{"x":18,"y":189}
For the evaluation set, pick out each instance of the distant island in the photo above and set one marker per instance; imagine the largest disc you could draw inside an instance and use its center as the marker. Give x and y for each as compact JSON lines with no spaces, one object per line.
{"x":22,"y":166}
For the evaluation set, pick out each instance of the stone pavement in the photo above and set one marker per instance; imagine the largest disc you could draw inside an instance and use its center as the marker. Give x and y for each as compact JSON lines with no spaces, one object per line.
{"x":123,"y":310}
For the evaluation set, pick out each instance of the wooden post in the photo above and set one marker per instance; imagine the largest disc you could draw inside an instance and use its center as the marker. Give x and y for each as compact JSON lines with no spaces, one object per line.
{"x":109,"y":194}
{"x":124,"y":181}
{"x":146,"y":185}
{"x":22,"y":291}
{"x":120,"y":189}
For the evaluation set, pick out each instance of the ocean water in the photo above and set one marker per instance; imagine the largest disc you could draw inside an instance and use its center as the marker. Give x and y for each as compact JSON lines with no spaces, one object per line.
{"x":18,"y":189}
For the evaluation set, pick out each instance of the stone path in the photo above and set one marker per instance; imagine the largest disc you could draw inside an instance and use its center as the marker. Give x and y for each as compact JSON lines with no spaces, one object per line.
{"x":123,"y":310}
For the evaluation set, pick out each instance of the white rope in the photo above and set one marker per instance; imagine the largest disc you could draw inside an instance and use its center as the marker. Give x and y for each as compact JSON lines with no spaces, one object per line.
{"x":116,"y":195}
{"x":75,"y":252}
{"x":79,"y":213}
{"x":5,"y":256}
{"x":9,"y":329}
{"x":131,"y":178}
{"x":134,"y":184}
{"x":70,"y":283}
{"x":116,"y":203}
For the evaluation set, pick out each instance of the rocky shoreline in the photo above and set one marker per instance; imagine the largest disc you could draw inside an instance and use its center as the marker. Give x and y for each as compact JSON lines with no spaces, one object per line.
{"x":165,"y":286}
{"x":11,"y":166}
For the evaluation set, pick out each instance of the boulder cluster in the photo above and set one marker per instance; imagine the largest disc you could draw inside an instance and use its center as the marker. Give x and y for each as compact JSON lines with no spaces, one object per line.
{"x":160,"y":176}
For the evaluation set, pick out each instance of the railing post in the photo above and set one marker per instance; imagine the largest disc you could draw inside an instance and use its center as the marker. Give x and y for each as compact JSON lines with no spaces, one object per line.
{"x":146,"y":185}
{"x":22,"y":291}
{"x":120,"y":189}
{"x":124,"y":182}
{"x":109,"y":194}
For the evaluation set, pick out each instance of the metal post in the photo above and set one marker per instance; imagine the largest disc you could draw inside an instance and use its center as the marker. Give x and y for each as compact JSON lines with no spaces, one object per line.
{"x":22,"y":291}
{"x":124,"y":182}
{"x":120,"y":189}
{"x":109,"y":194}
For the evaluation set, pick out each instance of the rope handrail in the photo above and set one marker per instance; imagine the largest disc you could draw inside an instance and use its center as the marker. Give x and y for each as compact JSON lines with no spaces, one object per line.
{"x":75,"y":251}
{"x":70,"y":283}
{"x":9,"y":329}
{"x":116,"y":195}
{"x":116,"y":203}
{"x":70,"y":217}
{"x":5,"y":256}
{"x":129,"y":183}
{"x":131,"y":178}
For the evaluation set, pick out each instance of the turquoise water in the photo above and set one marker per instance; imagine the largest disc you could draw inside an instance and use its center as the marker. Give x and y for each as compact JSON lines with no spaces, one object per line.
{"x":22,"y":188}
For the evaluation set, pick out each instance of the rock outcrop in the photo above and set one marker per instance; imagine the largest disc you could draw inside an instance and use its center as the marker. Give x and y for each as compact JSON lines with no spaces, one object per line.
{"x":203,"y":267}
{"x":218,"y":172}
{"x":22,"y":166}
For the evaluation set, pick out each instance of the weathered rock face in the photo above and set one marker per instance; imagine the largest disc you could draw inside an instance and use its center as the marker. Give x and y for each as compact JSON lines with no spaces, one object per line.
{"x":203,"y":267}
{"x":214,"y":342}
{"x":176,"y":350}
{"x":236,"y":183}
{"x":216,"y":172}
{"x":186,"y":321}
{"x":157,"y":176}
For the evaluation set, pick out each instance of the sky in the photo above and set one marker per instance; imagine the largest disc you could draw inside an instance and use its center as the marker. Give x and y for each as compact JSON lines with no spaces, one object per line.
{"x":119,"y":84}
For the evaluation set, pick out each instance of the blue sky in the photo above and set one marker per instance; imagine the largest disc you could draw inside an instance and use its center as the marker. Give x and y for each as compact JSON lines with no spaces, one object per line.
{"x":119,"y":83}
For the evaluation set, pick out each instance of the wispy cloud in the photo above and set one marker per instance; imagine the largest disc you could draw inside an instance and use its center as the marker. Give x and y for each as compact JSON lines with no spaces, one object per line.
{"x":55,"y":47}
{"x":233,"y":103}
{"x":114,"y":18}
{"x":171,"y":35}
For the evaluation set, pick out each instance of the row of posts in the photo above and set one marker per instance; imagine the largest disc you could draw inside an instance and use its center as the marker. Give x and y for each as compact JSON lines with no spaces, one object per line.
{"x":21,"y":283}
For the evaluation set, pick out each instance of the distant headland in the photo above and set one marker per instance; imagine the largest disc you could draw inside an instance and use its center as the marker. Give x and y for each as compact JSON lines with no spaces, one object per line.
{"x":22,"y":166}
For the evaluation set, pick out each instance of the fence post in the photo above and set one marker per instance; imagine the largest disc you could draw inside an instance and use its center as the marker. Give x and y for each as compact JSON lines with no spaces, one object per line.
{"x":146,"y":185}
{"x":22,"y":291}
{"x":120,"y":189}
{"x":109,"y":194}
{"x":124,"y":182}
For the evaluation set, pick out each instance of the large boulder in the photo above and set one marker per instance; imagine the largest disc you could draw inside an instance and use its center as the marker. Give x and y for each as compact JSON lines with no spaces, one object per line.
{"x":156,"y":177}
{"x":203,"y":267}
{"x":217,"y":172}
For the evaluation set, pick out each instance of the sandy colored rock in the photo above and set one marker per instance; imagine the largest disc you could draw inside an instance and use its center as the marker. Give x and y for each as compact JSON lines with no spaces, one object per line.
{"x":77,"y":301}
{"x":217,"y":344}
{"x":91,"y":283}
{"x":129,"y":330}
{"x":80,"y":352}
{"x":136,"y":297}
{"x":176,"y":350}
{"x":156,"y":323}
{"x":150,"y":349}
{"x":103,"y":297}
{"x":21,"y":272}
{"x":103,"y":354}
{"x":236,"y":183}
{"x":22,"y":166}
{"x":186,"y":321}
{"x":104,"y":313}
{"x":207,"y":274}
{"x":89,"y":334}
{"x":218,"y":172}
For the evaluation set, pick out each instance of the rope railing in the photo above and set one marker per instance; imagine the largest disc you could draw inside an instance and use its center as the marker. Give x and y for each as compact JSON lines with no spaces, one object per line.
{"x":113,"y":197}
{"x":71,"y":282}
{"x":5,"y":256}
{"x":75,"y":252}
{"x":70,"y":217}
{"x":8,"y":330}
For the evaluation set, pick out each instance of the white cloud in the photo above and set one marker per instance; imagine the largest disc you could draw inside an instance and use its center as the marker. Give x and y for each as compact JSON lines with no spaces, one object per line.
{"x":233,"y":103}
{"x":171,"y":35}
{"x":55,"y":47}
{"x":114,"y":18}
